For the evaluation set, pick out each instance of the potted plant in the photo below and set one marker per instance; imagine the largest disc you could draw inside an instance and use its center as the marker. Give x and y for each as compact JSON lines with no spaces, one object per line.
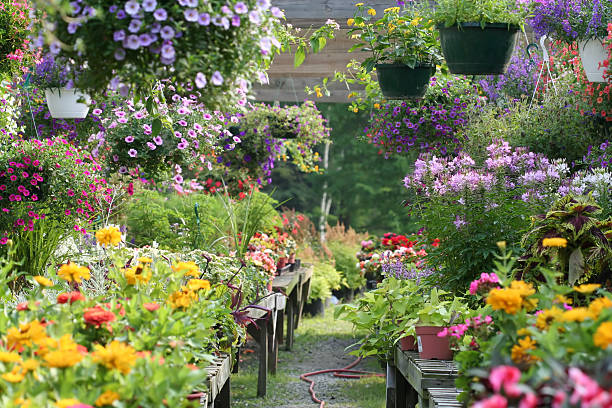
{"x":478,"y":37}
{"x":404,"y":47}
{"x":434,"y":316}
{"x":585,"y":22}
{"x":63,"y":100}
{"x":17,"y":52}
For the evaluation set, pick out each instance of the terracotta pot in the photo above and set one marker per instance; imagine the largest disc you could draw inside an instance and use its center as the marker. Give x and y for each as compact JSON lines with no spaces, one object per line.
{"x":408,"y":343}
{"x":432,"y":346}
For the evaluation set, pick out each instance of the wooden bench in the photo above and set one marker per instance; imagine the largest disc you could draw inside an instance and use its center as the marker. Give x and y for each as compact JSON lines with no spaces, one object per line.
{"x":218,"y":389}
{"x":444,"y":398}
{"x":295,"y":285}
{"x":415,"y":376}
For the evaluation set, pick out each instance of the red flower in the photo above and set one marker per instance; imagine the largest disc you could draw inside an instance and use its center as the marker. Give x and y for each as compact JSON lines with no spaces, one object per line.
{"x":436,"y":243}
{"x":96,"y":316}
{"x":71,"y":296}
{"x":151,"y":307}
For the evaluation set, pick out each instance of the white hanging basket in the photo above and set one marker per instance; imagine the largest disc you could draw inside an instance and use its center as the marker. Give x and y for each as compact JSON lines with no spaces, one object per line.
{"x":593,"y":53}
{"x":63,"y":103}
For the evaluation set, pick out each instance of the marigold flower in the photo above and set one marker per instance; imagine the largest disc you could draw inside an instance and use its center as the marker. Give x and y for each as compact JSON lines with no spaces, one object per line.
{"x":524,"y":288}
{"x":115,"y":356}
{"x":97,"y":315}
{"x":350,"y":22}
{"x":106,"y":398}
{"x":30,"y":365}
{"x":587,"y":288}
{"x":598,"y":305}
{"x":14,"y":376}
{"x":372,"y":12}
{"x":554,"y":242}
{"x":109,"y":236}
{"x":42,"y":281}
{"x":197,"y":284}
{"x":603,"y":336}
{"x":187,"y":268}
{"x":577,"y":314}
{"x":27,"y":334}
{"x":182,"y":298}
{"x":72,"y":272}
{"x":547,"y":317}
{"x":520,"y":352}
{"x":9,"y":357}
{"x":508,"y":300}
{"x":66,"y":354}
{"x":145,"y":260}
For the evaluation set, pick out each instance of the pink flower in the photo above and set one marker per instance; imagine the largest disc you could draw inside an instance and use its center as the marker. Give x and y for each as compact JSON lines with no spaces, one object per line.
{"x":496,"y":401}
{"x":530,"y":400}
{"x":506,"y":377}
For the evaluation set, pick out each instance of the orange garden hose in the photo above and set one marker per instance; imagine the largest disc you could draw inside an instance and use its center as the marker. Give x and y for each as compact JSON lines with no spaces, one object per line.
{"x":338,"y":372}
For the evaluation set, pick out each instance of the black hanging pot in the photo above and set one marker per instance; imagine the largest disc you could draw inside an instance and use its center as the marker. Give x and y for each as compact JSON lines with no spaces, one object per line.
{"x":399,"y":81}
{"x":470,"y":49}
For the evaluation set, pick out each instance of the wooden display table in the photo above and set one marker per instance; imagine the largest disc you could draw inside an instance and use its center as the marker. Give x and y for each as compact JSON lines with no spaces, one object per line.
{"x":295,"y":285}
{"x":418,"y":380}
{"x":217,"y":394}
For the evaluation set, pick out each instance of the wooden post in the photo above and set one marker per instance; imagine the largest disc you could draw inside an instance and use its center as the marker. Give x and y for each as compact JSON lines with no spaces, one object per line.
{"x":298,"y":301}
{"x":290,"y":321}
{"x":272,"y":343}
{"x":224,"y":399}
{"x":263,"y":358}
{"x":401,"y":390}
{"x":280,"y":326}
{"x":305,"y":294}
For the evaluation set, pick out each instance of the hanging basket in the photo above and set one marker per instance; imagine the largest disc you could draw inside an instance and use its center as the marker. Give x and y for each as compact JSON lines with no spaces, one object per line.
{"x":593,"y":54}
{"x":399,"y":81}
{"x":470,"y":49}
{"x":67,"y":103}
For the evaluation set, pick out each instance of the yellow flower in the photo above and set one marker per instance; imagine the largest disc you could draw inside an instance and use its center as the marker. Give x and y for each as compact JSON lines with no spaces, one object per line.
{"x":197,"y":284}
{"x":524,"y":288}
{"x":145,"y":260}
{"x":350,"y":22}
{"x":106,"y":398}
{"x":520,"y":352}
{"x":72,"y":272}
{"x":66,"y":354}
{"x":109,"y":236}
{"x":508,"y":300}
{"x":187,"y":268}
{"x":554,"y":242}
{"x":577,"y":314}
{"x":415,"y":22}
{"x":358,"y":4}
{"x":587,"y":288}
{"x":352,"y":95}
{"x":9,"y":357}
{"x":603,"y":336}
{"x":563,"y":300}
{"x":14,"y":376}
{"x":523,"y":332}
{"x":22,"y":403}
{"x":372,"y":12}
{"x":30,"y":365}
{"x":355,"y":109}
{"x":139,"y":273}
{"x":182,"y":298}
{"x":547,"y":317}
{"x":26,"y":335}
{"x":318,"y":92}
{"x":67,"y":402}
{"x":377,"y":105}
{"x":115,"y":356}
{"x":598,"y":305}
{"x":42,"y":281}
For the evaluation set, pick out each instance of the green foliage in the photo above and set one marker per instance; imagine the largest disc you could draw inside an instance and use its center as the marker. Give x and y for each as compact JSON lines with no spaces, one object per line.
{"x":325,"y":278}
{"x":588,"y":253}
{"x":441,"y":312}
{"x":346,"y":264}
{"x":452,"y":12}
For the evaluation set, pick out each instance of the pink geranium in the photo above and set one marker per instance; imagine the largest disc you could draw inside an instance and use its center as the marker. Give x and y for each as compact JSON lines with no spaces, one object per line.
{"x":496,"y":401}
{"x":506,"y":378}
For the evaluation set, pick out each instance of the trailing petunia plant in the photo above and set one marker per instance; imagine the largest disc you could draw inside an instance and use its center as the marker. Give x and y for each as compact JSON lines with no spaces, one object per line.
{"x":17,"y":51}
{"x":453,"y":12}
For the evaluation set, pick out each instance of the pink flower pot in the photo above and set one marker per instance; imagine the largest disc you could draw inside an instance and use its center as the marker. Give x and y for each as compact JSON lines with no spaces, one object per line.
{"x":432,"y":346}
{"x":408,"y":343}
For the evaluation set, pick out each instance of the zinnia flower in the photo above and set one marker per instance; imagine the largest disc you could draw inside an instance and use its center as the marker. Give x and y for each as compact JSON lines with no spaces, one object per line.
{"x":42,"y":281}
{"x":508,"y":300}
{"x":72,"y":272}
{"x":109,"y":236}
{"x":96,"y":316}
{"x":587,"y":288}
{"x":106,"y":398}
{"x":603,"y":336}
{"x":187,"y":268}
{"x":115,"y":356}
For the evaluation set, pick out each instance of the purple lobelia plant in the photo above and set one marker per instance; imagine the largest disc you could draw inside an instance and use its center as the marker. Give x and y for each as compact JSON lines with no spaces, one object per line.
{"x":571,"y":20}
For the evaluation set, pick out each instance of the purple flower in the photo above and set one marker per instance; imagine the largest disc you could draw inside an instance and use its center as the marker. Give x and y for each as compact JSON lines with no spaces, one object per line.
{"x":217,"y":78}
{"x":160,"y":14}
{"x":135,"y":25}
{"x":236,"y":20}
{"x":132,"y":153}
{"x":167,"y":51}
{"x":191,"y":15}
{"x":72,"y":27}
{"x":276,"y":12}
{"x":167,"y":33}
{"x":123,"y":170}
{"x":121,"y":15}
{"x":225,"y":23}
{"x":119,"y":35}
{"x":158,"y":140}
{"x":191,"y":3}
{"x":112,"y":9}
{"x":129,"y":139}
{"x":132,"y":7}
{"x":119,"y":54}
{"x":204,"y":19}
{"x":200,"y":80}
{"x":263,"y":4}
{"x":132,"y":42}
{"x":149,"y":5}
{"x":182,"y":145}
{"x":146,"y":40}
{"x":255,"y":17}
{"x":241,"y":8}
{"x":178,"y":179}
{"x":151,"y":146}
{"x":55,"y":48}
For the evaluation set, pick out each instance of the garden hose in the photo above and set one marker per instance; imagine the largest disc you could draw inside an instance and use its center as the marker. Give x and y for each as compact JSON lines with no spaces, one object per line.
{"x":338,"y":372}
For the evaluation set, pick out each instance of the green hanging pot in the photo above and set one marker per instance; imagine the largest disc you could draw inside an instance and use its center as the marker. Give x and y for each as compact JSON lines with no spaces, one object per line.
{"x":470,"y":49}
{"x":399,"y":81}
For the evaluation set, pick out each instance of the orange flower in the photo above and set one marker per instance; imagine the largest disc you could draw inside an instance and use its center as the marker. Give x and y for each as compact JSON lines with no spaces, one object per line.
{"x":69,"y":297}
{"x":151,"y":307}
{"x":97,"y":316}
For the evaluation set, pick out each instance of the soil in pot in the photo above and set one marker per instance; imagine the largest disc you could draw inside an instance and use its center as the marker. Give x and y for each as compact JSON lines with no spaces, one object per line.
{"x":471,"y":50}
{"x":399,"y":81}
{"x":430,"y":345}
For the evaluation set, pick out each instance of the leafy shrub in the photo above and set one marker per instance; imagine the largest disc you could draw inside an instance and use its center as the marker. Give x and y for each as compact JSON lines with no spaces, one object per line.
{"x":346,"y":264}
{"x":325,"y":278}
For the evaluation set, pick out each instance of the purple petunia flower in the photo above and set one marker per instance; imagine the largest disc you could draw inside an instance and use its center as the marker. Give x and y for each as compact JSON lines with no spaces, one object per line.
{"x":263,"y":4}
{"x":217,"y":78}
{"x":191,"y":15}
{"x":200,"y":80}
{"x":167,"y":33}
{"x":151,"y":146}
{"x":236,"y":20}
{"x":160,"y":14}
{"x":149,"y":5}
{"x":132,"y":7}
{"x":135,"y":25}
{"x":119,"y":35}
{"x":178,"y":179}
{"x":167,"y":51}
{"x":276,"y":12}
{"x":112,"y":9}
{"x":132,"y":42}
{"x":241,"y":8}
{"x":121,"y":15}
{"x":255,"y":17}
{"x":72,"y":27}
{"x":129,"y":139}
{"x":132,"y":152}
{"x":146,"y":40}
{"x":204,"y":19}
{"x":158,"y":140}
{"x":119,"y":54}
